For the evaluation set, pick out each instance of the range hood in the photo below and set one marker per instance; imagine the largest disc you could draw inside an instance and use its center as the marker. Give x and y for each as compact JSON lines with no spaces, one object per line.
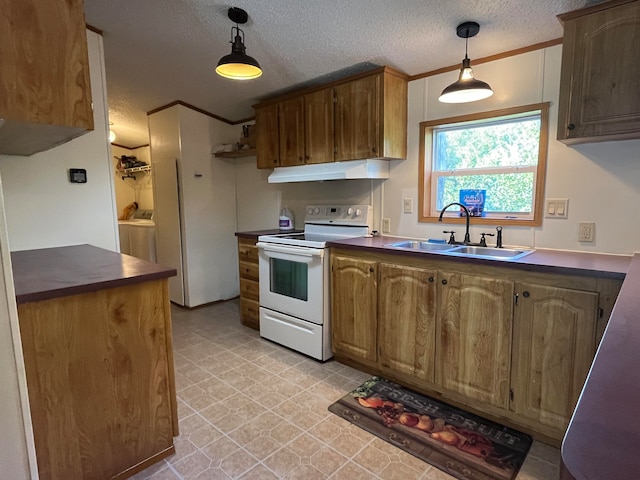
{"x":352,"y":169}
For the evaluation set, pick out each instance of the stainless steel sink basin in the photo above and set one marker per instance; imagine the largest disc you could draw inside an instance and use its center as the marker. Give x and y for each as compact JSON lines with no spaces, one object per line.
{"x":421,"y":246}
{"x":490,"y":252}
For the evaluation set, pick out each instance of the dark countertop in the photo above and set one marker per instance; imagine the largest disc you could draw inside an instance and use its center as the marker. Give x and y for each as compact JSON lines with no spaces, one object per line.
{"x":61,"y":271}
{"x":580,"y":263}
{"x":602,"y":439}
{"x":255,"y":234}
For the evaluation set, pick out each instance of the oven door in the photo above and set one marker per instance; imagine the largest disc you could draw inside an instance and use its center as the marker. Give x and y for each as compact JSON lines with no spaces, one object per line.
{"x":292,"y":280}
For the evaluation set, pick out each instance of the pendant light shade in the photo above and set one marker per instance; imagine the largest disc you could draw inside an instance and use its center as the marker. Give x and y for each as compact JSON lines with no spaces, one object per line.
{"x":238,"y":65}
{"x":467,"y":88}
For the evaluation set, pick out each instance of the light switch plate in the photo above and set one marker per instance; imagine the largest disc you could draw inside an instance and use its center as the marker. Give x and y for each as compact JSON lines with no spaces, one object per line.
{"x":386,"y":225}
{"x":556,"y":207}
{"x":407,"y":204}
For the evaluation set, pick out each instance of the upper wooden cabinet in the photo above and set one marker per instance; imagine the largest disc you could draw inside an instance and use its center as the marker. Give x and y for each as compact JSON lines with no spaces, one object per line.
{"x":267,"y":136}
{"x":318,"y":126}
{"x":45,"y":94}
{"x":600,"y":80}
{"x":291,"y":132}
{"x":360,"y":117}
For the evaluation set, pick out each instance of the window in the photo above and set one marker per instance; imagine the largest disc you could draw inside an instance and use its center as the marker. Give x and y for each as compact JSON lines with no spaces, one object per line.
{"x":501,"y":153}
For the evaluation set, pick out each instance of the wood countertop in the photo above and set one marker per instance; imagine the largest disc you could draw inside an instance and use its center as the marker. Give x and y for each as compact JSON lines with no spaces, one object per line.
{"x":49,"y":273}
{"x":601,"y":442}
{"x":580,"y":263}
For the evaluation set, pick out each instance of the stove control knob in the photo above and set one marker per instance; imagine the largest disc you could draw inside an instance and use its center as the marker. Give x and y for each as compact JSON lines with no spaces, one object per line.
{"x":309,"y":211}
{"x":349,"y":211}
{"x":316,"y":210}
{"x":358,"y":212}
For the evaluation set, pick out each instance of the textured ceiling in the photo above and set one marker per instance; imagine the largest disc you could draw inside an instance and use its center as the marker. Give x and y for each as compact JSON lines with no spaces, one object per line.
{"x":159,"y":51}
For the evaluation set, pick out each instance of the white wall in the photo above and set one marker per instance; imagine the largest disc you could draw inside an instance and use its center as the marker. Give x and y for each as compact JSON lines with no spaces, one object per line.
{"x":602,"y":181}
{"x":130,"y":190}
{"x":43,"y":208}
{"x":17,"y":449}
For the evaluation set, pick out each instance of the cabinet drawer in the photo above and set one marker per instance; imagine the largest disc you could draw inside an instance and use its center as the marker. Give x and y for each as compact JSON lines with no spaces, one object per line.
{"x":250,"y":313}
{"x":249,"y":270}
{"x":248,"y":252}
{"x":249,"y":289}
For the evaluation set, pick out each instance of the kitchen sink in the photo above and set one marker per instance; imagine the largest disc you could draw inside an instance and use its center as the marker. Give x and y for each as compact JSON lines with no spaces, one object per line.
{"x":490,"y":252}
{"x":421,"y":246}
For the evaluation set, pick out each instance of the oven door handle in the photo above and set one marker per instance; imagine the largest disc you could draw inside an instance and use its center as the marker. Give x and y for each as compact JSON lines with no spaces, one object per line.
{"x":305,"y":252}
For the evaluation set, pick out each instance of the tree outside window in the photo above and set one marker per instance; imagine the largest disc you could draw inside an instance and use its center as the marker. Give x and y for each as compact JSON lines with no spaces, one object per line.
{"x":501,"y":152}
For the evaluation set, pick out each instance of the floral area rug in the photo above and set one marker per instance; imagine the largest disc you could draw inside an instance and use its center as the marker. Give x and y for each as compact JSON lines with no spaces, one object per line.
{"x":459,"y":443}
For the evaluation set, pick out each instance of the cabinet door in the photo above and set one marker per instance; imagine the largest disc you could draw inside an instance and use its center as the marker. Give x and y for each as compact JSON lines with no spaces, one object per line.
{"x":318,"y":135}
{"x":406,"y":321}
{"x":267,"y":139}
{"x":600,"y":85}
{"x":292,"y":132}
{"x":353,"y":308}
{"x":554,"y":344}
{"x":357,"y":119}
{"x":473,"y":336}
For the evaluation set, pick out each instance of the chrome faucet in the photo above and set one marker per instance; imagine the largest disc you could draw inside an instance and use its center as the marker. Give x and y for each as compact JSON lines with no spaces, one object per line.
{"x":467,"y":239}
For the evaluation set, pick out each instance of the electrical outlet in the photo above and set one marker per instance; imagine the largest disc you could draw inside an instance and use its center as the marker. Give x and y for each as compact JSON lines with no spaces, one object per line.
{"x":586,"y":231}
{"x":386,"y":225}
{"x":407,"y":205}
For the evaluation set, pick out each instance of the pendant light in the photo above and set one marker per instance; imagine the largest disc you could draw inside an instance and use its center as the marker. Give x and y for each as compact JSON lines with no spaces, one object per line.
{"x":238,"y":65}
{"x":467,"y":88}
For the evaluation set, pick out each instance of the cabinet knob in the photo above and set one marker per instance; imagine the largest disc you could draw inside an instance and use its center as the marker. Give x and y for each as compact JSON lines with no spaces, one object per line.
{"x":431,"y":279}
{"x":525,"y":294}
{"x":275,"y":160}
{"x":299,"y":159}
{"x":571,"y":126}
{"x":371,"y":269}
{"x":374,"y":150}
{"x":444,"y":282}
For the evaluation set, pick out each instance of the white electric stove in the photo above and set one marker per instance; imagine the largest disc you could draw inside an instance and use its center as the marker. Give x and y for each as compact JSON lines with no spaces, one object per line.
{"x":294,"y":277}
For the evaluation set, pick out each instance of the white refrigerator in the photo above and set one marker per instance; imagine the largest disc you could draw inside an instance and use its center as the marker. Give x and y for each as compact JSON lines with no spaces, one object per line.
{"x":195,"y":216}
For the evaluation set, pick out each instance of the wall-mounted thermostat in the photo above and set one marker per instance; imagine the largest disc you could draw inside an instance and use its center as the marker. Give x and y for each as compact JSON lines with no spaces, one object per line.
{"x":77,"y":175}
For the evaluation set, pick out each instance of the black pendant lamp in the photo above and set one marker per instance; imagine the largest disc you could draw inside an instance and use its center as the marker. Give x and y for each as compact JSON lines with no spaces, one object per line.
{"x":238,"y":65}
{"x":467,"y":88}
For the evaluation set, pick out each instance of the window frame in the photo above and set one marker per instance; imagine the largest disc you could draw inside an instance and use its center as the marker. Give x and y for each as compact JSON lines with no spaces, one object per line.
{"x":426,"y":165}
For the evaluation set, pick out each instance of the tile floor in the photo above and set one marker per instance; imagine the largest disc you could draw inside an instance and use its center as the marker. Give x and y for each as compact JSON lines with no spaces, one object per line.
{"x":250,"y":409}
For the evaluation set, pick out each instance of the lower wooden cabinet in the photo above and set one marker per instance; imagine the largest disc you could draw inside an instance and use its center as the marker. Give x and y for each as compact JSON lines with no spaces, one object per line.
{"x":354,"y":292}
{"x":474,"y":337}
{"x":515,"y":346}
{"x":407,"y":321}
{"x":553,"y":346}
{"x":249,"y":282}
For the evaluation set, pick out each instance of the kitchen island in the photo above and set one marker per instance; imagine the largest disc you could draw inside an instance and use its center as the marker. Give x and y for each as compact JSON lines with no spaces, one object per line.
{"x":96,"y":336}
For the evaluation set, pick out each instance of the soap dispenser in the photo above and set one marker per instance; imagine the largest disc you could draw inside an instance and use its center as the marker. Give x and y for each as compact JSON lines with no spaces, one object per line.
{"x":286,"y":219}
